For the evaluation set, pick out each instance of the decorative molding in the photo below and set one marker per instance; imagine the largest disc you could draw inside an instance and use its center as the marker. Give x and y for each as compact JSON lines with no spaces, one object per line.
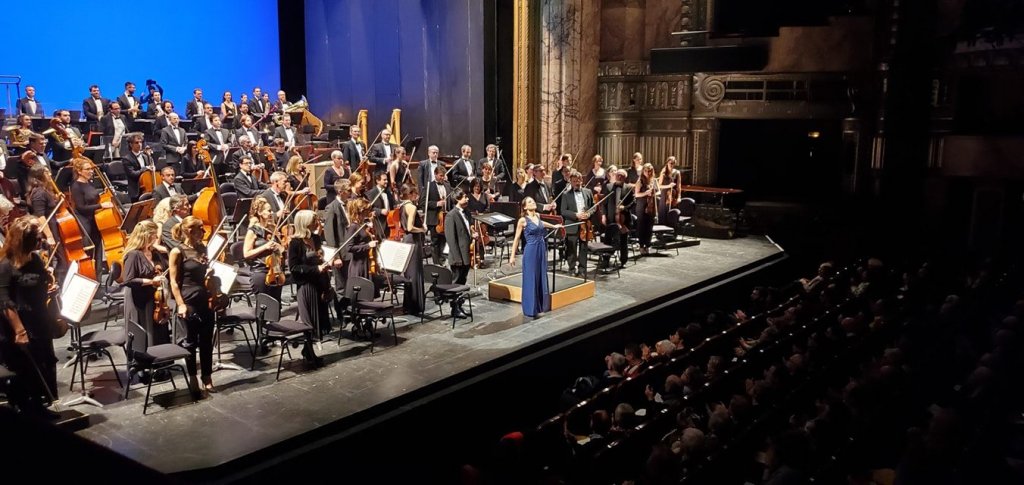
{"x":623,"y":68}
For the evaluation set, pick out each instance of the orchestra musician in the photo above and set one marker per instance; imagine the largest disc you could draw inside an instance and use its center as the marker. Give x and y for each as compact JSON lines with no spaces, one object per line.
{"x":228,"y":110}
{"x":220,"y":143}
{"x":353,"y":149}
{"x":204,"y":121}
{"x":35,"y":155}
{"x":598,"y":176}
{"x":29,"y":105}
{"x":249,"y":131}
{"x":337,"y":171}
{"x":633,"y":174}
{"x":518,"y":192}
{"x":479,"y":200}
{"x":180,"y":209}
{"x":276,"y":194}
{"x":414,"y":299}
{"x":18,"y":135}
{"x":459,"y":232}
{"x":305,"y":260}
{"x":435,"y":199}
{"x":360,"y":241}
{"x":398,"y":170}
{"x":286,"y":132}
{"x":668,"y":181}
{"x":137,"y":161}
{"x":188,"y":275}
{"x":155,"y":107}
{"x":166,"y":187}
{"x":142,"y":276}
{"x":174,"y":142}
{"x":246,"y":184}
{"x":245,"y":150}
{"x":489,"y":183}
{"x":356,"y":186}
{"x":336,"y":224}
{"x":615,"y":218}
{"x":491,"y":160}
{"x":41,"y":203}
{"x":26,"y":343}
{"x":129,"y":101}
{"x":61,"y":147}
{"x":86,"y":199}
{"x":464,"y":170}
{"x":260,"y":242}
{"x":281,"y":155}
{"x":560,"y":176}
{"x":243,"y":110}
{"x":381,"y":152}
{"x":428,"y":166}
{"x":115,"y":125}
{"x":195,"y":106}
{"x":162,"y":121}
{"x":539,"y":191}
{"x":282,"y":103}
{"x":381,"y":201}
{"x":573,"y":206}
{"x":154,"y":93}
{"x":94,"y":107}
{"x":645,"y":192}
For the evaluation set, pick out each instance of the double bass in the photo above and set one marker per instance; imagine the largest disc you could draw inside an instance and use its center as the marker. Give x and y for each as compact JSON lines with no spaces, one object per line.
{"x":148,"y":180}
{"x":209,"y":206}
{"x":108,"y":221}
{"x":71,"y":234}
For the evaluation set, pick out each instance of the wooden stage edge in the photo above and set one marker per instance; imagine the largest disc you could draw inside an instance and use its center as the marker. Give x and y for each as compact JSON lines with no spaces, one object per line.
{"x":502,"y":290}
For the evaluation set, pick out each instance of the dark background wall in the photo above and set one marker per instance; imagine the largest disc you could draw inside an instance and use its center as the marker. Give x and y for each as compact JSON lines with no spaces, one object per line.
{"x":424,"y":57}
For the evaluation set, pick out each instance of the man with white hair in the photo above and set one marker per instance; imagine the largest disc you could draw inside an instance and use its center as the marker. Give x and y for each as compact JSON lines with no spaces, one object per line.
{"x":175,"y":144}
{"x":380,"y":153}
{"x":428,"y":166}
{"x":245,"y":150}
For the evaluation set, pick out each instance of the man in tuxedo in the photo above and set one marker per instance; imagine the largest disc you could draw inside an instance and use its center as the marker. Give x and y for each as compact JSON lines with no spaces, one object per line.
{"x":381,"y":201}
{"x":137,"y":162}
{"x":245,"y":182}
{"x":457,"y":230}
{"x":245,"y":150}
{"x":114,"y":125}
{"x":220,"y":143}
{"x":336,"y":226}
{"x":560,"y":177}
{"x":275,"y":194}
{"x":573,"y":206}
{"x":166,"y":188}
{"x":492,"y":160}
{"x":174,"y":142}
{"x":180,"y":209}
{"x":195,"y":106}
{"x":428,"y":166}
{"x":28,"y":105}
{"x":129,"y":102}
{"x":464,"y":170}
{"x":94,"y":107}
{"x":249,"y":130}
{"x":617,"y":237}
{"x":380,"y":153}
{"x":539,"y":191}
{"x":353,"y":149}
{"x":282,"y":101}
{"x":204,"y":121}
{"x":20,"y":168}
{"x":435,"y":198}
{"x":62,"y":149}
{"x":257,"y":106}
{"x":286,"y":132}
{"x":155,"y":107}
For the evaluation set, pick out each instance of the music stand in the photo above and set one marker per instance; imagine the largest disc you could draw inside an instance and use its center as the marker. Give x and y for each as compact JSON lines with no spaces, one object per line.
{"x":511,"y":209}
{"x":557,"y":235}
{"x":241,"y":213}
{"x":341,"y":133}
{"x":412,"y":145}
{"x":138,"y":211}
{"x":193,"y":186}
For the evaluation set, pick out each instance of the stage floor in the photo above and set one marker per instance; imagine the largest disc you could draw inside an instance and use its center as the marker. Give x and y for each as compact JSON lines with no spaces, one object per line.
{"x":251,"y":411}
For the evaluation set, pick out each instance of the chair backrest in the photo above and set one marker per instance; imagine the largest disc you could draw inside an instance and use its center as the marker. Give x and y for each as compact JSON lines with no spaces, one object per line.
{"x":146,"y":196}
{"x":115,"y":274}
{"x":268,"y":309}
{"x":687,"y":207}
{"x":444,"y":275}
{"x":230,"y":199}
{"x":237,"y":251}
{"x":115,"y":170}
{"x":673,"y":218}
{"x":227,"y":187}
{"x":366,"y":289}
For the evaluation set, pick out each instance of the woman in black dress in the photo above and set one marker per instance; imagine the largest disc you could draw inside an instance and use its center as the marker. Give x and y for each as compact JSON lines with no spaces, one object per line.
{"x":142,"y":277}
{"x":26,"y":343}
{"x":398,"y":170}
{"x":518,"y":191}
{"x":86,"y":199}
{"x":259,"y":245}
{"x":360,"y":241}
{"x":598,"y":175}
{"x":645,"y":192}
{"x":188,"y":271}
{"x":414,"y":300}
{"x":479,"y":200}
{"x":309,"y":273}
{"x":41,"y":204}
{"x":338,"y":170}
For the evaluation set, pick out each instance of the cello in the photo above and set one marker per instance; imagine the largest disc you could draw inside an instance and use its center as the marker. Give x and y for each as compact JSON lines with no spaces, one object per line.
{"x":208,"y":206}
{"x":108,"y":222}
{"x":148,"y":180}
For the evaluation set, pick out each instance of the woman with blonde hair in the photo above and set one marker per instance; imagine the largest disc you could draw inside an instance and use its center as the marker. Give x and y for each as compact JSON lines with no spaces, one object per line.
{"x":142,"y":275}
{"x":260,"y":243}
{"x":309,"y":272}
{"x":188,"y":272}
{"x":86,"y":200}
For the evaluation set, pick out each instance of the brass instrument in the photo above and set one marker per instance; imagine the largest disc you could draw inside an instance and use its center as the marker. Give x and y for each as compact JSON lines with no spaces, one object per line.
{"x":19,"y":136}
{"x":308,"y":118}
{"x":63,"y":135}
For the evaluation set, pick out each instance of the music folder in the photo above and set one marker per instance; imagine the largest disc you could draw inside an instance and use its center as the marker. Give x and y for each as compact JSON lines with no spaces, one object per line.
{"x":394,"y":256}
{"x":193,"y":186}
{"x":138,"y":211}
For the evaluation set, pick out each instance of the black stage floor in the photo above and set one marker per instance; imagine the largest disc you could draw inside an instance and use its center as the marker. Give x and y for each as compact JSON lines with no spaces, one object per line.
{"x":251,"y":411}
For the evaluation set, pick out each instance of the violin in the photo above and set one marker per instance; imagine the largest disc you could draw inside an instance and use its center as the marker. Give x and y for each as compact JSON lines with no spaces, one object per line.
{"x":372,"y":253}
{"x":275,"y":267}
{"x":161,"y":312}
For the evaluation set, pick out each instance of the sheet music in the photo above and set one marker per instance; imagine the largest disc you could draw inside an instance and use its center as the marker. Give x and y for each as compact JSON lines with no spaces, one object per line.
{"x":502,"y":218}
{"x":76,"y":297}
{"x":213,"y":247}
{"x":226,"y":273}
{"x":72,"y":270}
{"x":329,"y":252}
{"x":394,"y":256}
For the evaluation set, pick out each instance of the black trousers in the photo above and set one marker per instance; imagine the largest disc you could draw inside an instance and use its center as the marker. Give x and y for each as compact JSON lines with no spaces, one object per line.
{"x":619,"y":240}
{"x":576,"y":252}
{"x":459,"y":273}
{"x":437,"y":243}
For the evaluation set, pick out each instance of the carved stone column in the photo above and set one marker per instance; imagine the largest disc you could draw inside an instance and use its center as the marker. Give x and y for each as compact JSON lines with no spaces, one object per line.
{"x":704,"y":149}
{"x":569,"y":50}
{"x":525,"y":74}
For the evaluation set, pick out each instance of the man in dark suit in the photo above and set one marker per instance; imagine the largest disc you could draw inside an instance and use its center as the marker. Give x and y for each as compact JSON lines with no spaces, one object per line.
{"x":435,"y":198}
{"x":381,"y":201}
{"x":166,"y":187}
{"x":618,"y":195}
{"x":94,"y":107}
{"x":257,"y":106}
{"x":380,"y":153}
{"x":464,"y":170}
{"x":129,"y":102}
{"x":174,"y":141}
{"x":180,"y":209}
{"x":539,"y":191}
{"x":220,"y":143}
{"x":61,"y":149}
{"x":427,"y":167}
{"x":245,"y":150}
{"x":155,"y":107}
{"x":28,"y":105}
{"x":492,"y":160}
{"x":196,"y":105}
{"x":20,"y":169}
{"x":276,"y":195}
{"x":245,"y":182}
{"x":573,"y":207}
{"x":336,"y":226}
{"x":137,"y":162}
{"x":560,"y":177}
{"x":458,"y":232}
{"x":114,"y":125}
{"x":353,"y":149}
{"x":204,"y":121}
{"x":248,"y":130}
{"x":286,"y":132}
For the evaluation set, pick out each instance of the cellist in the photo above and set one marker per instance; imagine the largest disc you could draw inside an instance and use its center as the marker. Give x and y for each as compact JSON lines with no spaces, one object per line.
{"x":86,"y":199}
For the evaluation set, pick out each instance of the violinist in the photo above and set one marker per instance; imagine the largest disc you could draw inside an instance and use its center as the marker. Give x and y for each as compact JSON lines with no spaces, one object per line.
{"x":337,"y":171}
{"x":539,"y":191}
{"x":518,"y":191}
{"x":311,"y":285}
{"x":245,"y":150}
{"x":281,"y":154}
{"x":276,"y":194}
{"x":26,"y":343}
{"x":458,"y":231}
{"x":41,"y":203}
{"x":361,"y":241}
{"x":398,"y":170}
{"x":336,"y":224}
{"x":35,"y":155}
{"x":615,"y":218}
{"x":380,"y":199}
{"x":86,"y":199}
{"x":598,"y":176}
{"x":428,"y":166}
{"x":490,"y":183}
{"x":137,"y":162}
{"x":188,"y":276}
{"x":560,"y":175}
{"x":573,"y":207}
{"x":669,"y":182}
{"x":296,"y":172}
{"x":142,"y":276}
{"x":246,"y":184}
{"x":646,"y":192}
{"x":435,"y":198}
{"x":261,"y":242}
{"x":491,"y":160}
{"x":356,"y":185}
{"x":414,"y":299}
{"x":633,"y":174}
{"x":479,"y":200}
{"x":180,"y":209}
{"x":381,"y":152}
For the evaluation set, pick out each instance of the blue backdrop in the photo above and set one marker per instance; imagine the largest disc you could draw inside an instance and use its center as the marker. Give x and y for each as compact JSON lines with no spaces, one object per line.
{"x":68,"y":45}
{"x":422,"y":56}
